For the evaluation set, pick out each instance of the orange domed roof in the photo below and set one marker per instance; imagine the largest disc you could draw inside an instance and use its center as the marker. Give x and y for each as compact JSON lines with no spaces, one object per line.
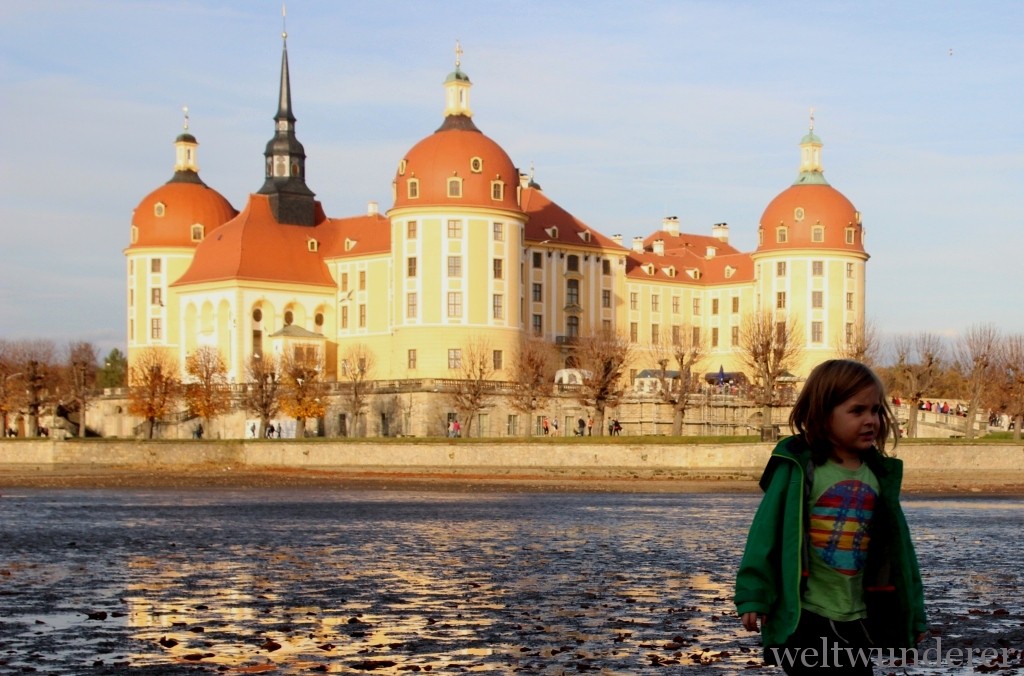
{"x":457,"y":165}
{"x":165,"y":216}
{"x":811,"y":213}
{"x":815,"y":215}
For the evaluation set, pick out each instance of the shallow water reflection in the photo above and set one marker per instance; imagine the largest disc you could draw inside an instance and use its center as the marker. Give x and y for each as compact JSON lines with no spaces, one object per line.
{"x":346,"y":582}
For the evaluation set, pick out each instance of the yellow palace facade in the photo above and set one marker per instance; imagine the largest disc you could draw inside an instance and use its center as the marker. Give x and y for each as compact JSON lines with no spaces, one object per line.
{"x":471,"y":252}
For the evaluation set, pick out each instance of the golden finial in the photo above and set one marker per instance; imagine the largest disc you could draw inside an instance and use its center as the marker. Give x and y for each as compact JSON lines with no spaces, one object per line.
{"x":184,"y":109}
{"x":458,"y":54}
{"x":284,"y":22}
{"x":812,"y":119}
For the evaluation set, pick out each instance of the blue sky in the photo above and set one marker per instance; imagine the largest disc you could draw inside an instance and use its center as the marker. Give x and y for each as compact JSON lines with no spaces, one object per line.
{"x":629,"y":112}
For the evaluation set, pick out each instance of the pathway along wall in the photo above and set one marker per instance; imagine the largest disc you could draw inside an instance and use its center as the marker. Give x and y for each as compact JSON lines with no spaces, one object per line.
{"x":958,"y":462}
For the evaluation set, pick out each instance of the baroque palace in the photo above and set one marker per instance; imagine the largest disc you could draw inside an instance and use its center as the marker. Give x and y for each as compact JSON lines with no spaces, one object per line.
{"x":472,"y":249}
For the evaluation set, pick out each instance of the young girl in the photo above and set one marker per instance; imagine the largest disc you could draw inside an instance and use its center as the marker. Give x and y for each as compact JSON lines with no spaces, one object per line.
{"x":829,"y":571}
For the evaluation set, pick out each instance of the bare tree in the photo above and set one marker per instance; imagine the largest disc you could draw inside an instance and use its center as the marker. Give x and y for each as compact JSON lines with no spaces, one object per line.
{"x":863,"y":344}
{"x":602,"y":358}
{"x":976,"y":356}
{"x":918,"y":364}
{"x":357,"y":366}
{"x":472,"y":393}
{"x":154,"y":387}
{"x":687,"y":354}
{"x":533,"y":370}
{"x":80,"y":373}
{"x":769,"y":347}
{"x":304,"y":391}
{"x":262,"y":395}
{"x":37,"y":364}
{"x":12,"y":392}
{"x":1009,"y":381}
{"x":206,"y":393}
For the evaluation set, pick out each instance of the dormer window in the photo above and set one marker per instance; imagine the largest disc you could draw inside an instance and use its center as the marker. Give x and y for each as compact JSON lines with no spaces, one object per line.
{"x":497,"y":190}
{"x":413,"y":188}
{"x":401,"y":167}
{"x":729,"y":271}
{"x":455,"y":187}
{"x":159,"y":209}
{"x":649,"y":268}
{"x":476,"y":165}
{"x":552,"y":232}
{"x":585,"y":235}
{"x":782,"y":234}
{"x":312,"y":245}
{"x":135,"y":234}
{"x":850,"y":234}
{"x":197,"y":233}
{"x":669,"y":271}
{"x":694,"y":273}
{"x":818,"y":233}
{"x":349,"y":244}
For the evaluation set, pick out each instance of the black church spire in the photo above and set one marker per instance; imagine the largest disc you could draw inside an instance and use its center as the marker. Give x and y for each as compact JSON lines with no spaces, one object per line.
{"x":290,"y":198}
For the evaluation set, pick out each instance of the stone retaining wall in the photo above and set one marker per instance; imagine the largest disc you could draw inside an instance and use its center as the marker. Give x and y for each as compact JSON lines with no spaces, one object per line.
{"x":466,"y":456}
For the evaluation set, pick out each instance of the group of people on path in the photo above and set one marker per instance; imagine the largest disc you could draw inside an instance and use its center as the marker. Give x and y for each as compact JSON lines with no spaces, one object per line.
{"x":584,"y":427}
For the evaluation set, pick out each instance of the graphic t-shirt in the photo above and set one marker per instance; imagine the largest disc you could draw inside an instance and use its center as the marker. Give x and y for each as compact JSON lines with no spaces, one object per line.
{"x":840,"y":508}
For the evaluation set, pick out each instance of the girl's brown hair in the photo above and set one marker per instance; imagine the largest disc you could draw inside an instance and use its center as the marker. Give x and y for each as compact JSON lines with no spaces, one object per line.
{"x":829,"y":385}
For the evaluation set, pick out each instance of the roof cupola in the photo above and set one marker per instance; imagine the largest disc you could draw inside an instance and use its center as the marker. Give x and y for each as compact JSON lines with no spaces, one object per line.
{"x":811,"y":171}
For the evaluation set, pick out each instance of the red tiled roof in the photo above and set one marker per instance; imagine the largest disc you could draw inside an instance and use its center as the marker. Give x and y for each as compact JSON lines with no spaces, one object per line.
{"x":254,"y":246}
{"x":822,"y":205}
{"x":544,"y":214}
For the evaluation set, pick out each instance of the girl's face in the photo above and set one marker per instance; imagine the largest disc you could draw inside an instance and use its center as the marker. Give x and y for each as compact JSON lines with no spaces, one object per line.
{"x":854,"y":423}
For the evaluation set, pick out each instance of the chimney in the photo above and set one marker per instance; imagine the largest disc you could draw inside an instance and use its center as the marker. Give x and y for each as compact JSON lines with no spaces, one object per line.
{"x":617,"y":239}
{"x":372,"y":209}
{"x":720,"y":231}
{"x":659,"y":247}
{"x":670,"y":225}
{"x":638,"y":244}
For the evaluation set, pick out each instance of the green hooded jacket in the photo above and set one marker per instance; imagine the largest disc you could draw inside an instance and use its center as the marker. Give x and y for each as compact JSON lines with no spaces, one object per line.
{"x":770,"y":577}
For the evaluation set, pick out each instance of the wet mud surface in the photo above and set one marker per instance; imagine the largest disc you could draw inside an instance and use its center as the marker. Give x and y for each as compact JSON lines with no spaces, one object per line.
{"x":298,"y":581}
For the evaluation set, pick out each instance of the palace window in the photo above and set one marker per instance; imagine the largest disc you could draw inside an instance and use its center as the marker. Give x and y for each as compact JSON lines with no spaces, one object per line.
{"x":572,"y":326}
{"x":817,"y":268}
{"x":410,"y":230}
{"x":362,"y":280}
{"x":454,"y":358}
{"x":455,"y":266}
{"x":572,"y":264}
{"x":413,"y":188}
{"x":497,"y":359}
{"x":455,"y":229}
{"x":780,"y":269}
{"x":411,"y":305}
{"x":362,"y":316}
{"x":538,"y":259}
{"x":499,"y":271}
{"x":634,"y":300}
{"x":634,"y":332}
{"x":781,"y":235}
{"x":606,"y":267}
{"x":655,"y":334}
{"x":655,"y":302}
{"x":498,"y":306}
{"x":572,"y":292}
{"x":606,"y":298}
{"x":454,"y":187}
{"x":780,"y":300}
{"x":538,"y":325}
{"x":816,"y":332}
{"x":538,"y":292}
{"x":410,"y":266}
{"x":499,"y":232}
{"x":817,"y":299}
{"x":197,"y":233}
{"x":497,"y":190}
{"x":714,"y":337}
{"x":818,"y":233}
{"x":454,"y":303}
{"x":411,"y":359}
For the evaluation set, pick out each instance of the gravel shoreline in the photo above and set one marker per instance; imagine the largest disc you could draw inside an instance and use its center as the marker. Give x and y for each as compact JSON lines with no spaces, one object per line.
{"x":540,"y":480}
